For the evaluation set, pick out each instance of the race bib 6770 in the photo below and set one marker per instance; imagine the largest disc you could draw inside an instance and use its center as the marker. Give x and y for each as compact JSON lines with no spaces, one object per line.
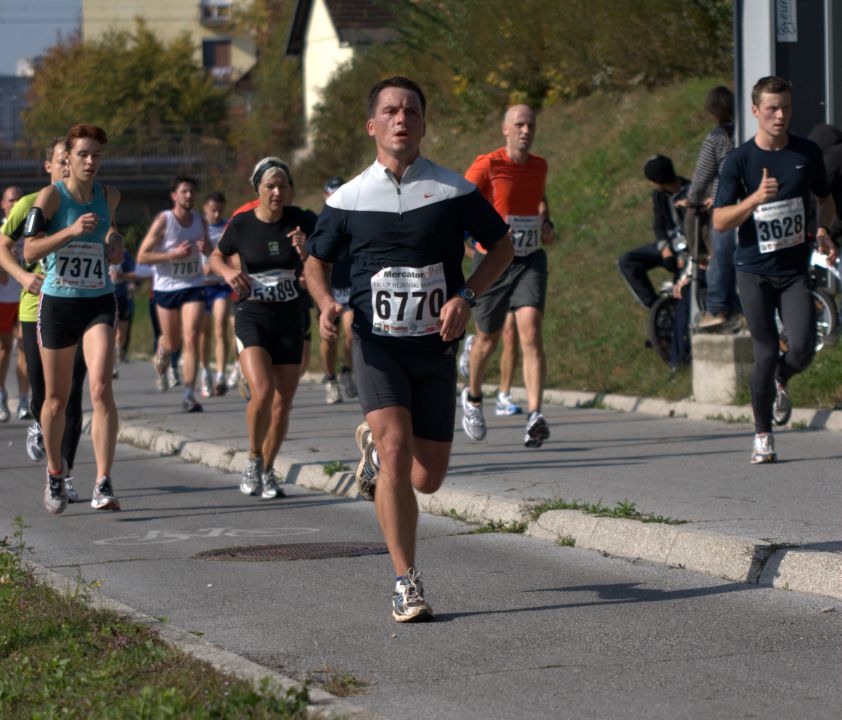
{"x":407,"y":301}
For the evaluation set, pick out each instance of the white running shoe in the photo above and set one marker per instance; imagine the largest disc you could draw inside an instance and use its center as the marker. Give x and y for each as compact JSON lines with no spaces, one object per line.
{"x":465,"y":357}
{"x":763,"y":449}
{"x":332,"y":393}
{"x":23,"y":412}
{"x":408,"y":603}
{"x":104,"y":498}
{"x":55,"y":498}
{"x":537,"y":430}
{"x":207,"y":384}
{"x":252,"y":477}
{"x":173,"y":377}
{"x":473,"y":421}
{"x":271,"y":486}
{"x":507,"y":406}
{"x":782,"y":407}
{"x":369,"y":466}
{"x":35,"y":442}
{"x":243,"y":387}
{"x":161,"y":362}
{"x":5,"y":415}
{"x":69,"y":490}
{"x":234,"y":376}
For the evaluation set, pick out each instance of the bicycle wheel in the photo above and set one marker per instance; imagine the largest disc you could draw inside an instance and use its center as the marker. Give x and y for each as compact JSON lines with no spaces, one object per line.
{"x":826,"y":317}
{"x":661,"y":321}
{"x":826,"y":320}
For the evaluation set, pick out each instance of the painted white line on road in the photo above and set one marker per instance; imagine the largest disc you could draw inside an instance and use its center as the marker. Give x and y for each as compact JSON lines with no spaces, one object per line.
{"x":161,"y":537}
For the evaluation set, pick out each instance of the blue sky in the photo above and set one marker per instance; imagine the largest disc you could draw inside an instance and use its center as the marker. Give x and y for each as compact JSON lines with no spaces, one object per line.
{"x":29,"y":26}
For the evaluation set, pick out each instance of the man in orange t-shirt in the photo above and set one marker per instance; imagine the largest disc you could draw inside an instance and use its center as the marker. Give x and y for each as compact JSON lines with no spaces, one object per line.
{"x":513,"y":180}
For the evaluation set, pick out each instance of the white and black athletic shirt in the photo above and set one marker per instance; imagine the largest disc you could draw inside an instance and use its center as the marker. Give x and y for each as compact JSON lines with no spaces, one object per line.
{"x":406,"y":244}
{"x":264,"y":247}
{"x":773,"y":241}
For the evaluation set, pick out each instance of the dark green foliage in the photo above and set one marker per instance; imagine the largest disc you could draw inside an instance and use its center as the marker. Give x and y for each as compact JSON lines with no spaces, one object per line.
{"x":130,"y":83}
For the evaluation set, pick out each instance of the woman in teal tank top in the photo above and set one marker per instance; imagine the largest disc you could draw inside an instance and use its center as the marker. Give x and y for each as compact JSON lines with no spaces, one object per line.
{"x":71,"y":227}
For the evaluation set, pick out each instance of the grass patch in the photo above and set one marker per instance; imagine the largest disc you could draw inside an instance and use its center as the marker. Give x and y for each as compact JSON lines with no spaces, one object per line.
{"x":494,"y":526}
{"x":330,"y":469}
{"x":514,"y":527}
{"x":60,"y":658}
{"x":730,"y":419}
{"x":596,"y":404}
{"x":566,"y":541}
{"x":337,"y":682}
{"x":624,"y":509}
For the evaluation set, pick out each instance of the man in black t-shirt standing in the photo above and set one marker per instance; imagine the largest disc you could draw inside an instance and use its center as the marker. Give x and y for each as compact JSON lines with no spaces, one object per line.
{"x":403,"y":222}
{"x":764,"y":190}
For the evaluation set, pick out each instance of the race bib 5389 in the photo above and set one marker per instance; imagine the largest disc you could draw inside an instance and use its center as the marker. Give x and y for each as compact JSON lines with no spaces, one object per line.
{"x":273,"y":286}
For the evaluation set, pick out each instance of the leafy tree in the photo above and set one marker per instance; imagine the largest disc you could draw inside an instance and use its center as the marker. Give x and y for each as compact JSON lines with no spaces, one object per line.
{"x":476,"y":57}
{"x":130,"y":83}
{"x":274,"y":123}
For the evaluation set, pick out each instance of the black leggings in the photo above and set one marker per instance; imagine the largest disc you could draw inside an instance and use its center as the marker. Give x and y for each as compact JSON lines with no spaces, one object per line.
{"x":35,"y":370}
{"x":761,"y":296}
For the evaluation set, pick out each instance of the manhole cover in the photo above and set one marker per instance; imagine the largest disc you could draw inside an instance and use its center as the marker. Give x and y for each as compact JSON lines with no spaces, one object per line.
{"x":295,"y":551}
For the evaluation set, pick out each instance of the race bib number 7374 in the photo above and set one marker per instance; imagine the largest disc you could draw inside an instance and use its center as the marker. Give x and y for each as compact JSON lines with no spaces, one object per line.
{"x":81,"y":265}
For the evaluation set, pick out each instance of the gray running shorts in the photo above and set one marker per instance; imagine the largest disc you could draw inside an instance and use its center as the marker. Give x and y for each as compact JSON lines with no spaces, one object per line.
{"x":423,"y":383}
{"x":522,"y":284}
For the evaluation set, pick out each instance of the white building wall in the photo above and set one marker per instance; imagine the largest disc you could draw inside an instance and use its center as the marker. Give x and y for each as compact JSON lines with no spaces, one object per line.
{"x":758,"y":57}
{"x":323,"y":55}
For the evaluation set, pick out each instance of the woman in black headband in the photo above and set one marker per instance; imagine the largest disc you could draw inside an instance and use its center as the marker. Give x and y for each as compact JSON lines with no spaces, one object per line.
{"x":269,"y":243}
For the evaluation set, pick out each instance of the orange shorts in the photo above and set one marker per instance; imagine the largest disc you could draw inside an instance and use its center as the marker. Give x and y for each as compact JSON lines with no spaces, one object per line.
{"x":8,"y":317}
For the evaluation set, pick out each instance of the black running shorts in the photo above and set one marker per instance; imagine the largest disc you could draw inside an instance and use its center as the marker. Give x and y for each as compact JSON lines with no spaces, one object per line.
{"x":276,"y":327}
{"x":423,"y":383}
{"x":174,"y":299}
{"x":522,"y":284}
{"x":63,"y":321}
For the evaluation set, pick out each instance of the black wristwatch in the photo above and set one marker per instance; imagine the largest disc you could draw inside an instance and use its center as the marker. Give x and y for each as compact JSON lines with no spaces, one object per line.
{"x":468,"y":295}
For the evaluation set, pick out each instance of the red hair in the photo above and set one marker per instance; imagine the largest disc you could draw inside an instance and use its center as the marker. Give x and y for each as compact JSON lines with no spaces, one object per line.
{"x":80,"y":132}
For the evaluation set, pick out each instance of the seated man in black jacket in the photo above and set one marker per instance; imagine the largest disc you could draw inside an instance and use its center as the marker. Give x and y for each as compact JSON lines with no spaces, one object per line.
{"x":670,"y":244}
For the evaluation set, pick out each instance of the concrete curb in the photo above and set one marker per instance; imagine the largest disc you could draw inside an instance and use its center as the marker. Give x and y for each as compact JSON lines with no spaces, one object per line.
{"x":730,"y":557}
{"x":322,"y":705}
{"x":806,"y":417}
{"x":727,"y":556}
{"x":792,"y":568}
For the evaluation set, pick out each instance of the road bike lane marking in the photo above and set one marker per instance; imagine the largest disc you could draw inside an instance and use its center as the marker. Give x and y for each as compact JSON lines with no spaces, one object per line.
{"x":161,"y":537}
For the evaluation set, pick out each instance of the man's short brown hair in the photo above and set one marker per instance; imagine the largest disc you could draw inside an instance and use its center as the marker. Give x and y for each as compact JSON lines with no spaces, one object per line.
{"x":770,"y":85}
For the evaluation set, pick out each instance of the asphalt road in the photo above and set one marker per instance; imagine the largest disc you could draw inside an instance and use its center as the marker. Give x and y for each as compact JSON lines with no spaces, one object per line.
{"x":525,"y":628}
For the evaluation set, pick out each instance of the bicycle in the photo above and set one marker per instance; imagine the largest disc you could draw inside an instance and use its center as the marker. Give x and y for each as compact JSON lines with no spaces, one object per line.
{"x":661,"y":323}
{"x":826,"y":278}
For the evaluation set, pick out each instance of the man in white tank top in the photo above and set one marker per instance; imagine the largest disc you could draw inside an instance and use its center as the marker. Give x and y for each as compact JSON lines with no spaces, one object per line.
{"x":173,"y":247}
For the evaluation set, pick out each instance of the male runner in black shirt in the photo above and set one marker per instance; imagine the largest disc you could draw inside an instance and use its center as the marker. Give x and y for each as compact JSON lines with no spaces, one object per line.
{"x":403,"y":221}
{"x":764,"y":190}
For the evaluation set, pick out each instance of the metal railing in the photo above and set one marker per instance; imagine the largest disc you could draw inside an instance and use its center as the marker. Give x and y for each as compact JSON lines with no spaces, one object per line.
{"x":155,"y":158}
